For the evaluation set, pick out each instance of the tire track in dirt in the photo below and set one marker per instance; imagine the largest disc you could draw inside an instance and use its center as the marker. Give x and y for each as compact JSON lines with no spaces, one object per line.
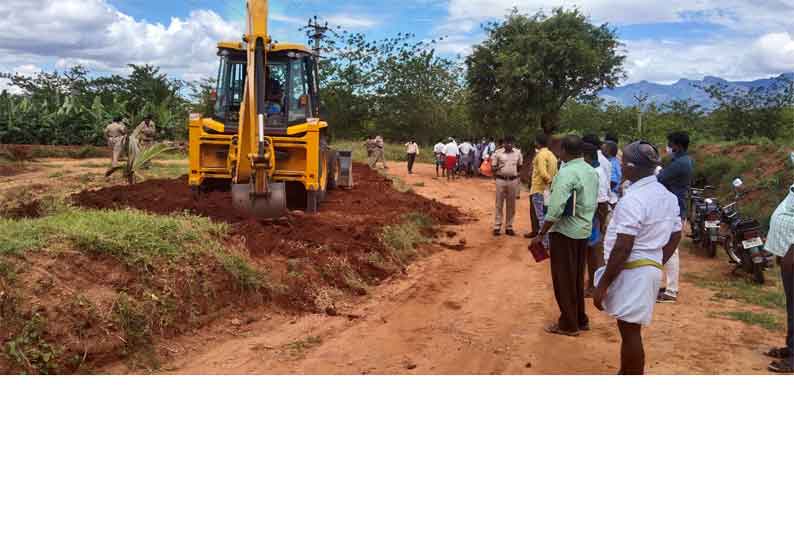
{"x":476,"y":311}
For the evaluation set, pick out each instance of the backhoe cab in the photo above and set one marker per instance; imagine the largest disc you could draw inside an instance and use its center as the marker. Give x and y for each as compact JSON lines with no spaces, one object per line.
{"x":265,"y":137}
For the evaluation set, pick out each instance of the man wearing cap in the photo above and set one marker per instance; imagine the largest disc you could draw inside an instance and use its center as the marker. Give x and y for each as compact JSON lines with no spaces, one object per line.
{"x":506,"y":163}
{"x":572,"y":205}
{"x":644,"y":233}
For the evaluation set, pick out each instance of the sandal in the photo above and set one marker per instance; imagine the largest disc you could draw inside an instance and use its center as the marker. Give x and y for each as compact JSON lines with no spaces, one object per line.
{"x":554,"y":329}
{"x":778,"y":353}
{"x":781,"y":367}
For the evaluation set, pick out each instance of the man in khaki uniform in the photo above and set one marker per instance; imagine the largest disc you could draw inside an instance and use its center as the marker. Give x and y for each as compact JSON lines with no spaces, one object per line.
{"x":114,"y":134}
{"x":372,"y":151}
{"x":380,"y":155}
{"x":506,"y":163}
{"x":146,"y":132}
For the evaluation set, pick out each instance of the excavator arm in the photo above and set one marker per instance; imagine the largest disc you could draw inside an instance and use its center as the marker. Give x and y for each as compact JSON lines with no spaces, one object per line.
{"x":251,"y":190}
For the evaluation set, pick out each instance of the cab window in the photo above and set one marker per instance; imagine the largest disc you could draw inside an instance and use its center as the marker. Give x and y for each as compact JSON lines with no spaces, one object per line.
{"x":299,"y":101}
{"x":275,"y":93}
{"x":230,"y":89}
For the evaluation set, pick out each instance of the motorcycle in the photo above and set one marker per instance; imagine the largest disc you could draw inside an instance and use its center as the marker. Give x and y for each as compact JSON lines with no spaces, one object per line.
{"x":704,"y":220}
{"x":742,"y":239}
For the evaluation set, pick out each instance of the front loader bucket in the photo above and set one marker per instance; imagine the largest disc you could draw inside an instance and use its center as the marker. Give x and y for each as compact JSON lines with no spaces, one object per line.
{"x":273,"y":204}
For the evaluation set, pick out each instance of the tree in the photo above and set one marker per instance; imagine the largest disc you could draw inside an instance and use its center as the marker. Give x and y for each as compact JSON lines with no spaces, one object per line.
{"x":396,"y":86}
{"x":754,"y":112}
{"x":529,"y":67}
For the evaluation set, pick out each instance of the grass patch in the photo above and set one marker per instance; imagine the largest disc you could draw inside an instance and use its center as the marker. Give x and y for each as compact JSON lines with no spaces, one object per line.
{"x":29,"y":352}
{"x":299,"y":347}
{"x":394,"y":152}
{"x":169,"y":170}
{"x":56,"y":175}
{"x":770,"y":296}
{"x":134,"y":237}
{"x":403,"y":239}
{"x":769,"y":322}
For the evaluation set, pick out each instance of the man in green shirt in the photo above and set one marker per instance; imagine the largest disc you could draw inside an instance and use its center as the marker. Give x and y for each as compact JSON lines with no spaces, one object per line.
{"x":574,"y":197}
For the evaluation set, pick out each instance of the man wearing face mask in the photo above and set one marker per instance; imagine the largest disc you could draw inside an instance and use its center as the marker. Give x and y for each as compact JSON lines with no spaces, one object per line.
{"x":677,"y":178}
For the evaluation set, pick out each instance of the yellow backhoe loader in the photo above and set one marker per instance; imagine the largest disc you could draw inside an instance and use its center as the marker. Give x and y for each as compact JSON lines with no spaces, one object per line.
{"x":265,"y":137}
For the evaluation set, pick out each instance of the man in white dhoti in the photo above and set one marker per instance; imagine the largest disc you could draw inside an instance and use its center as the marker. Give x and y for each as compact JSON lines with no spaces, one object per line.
{"x":644,"y":233}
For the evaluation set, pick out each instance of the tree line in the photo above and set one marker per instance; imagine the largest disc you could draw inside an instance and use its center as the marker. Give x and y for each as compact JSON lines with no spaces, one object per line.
{"x":532,"y":72}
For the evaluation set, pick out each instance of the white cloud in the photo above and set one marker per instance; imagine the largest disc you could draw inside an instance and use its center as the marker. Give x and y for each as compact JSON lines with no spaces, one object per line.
{"x":753,"y":42}
{"x":94,"y":33}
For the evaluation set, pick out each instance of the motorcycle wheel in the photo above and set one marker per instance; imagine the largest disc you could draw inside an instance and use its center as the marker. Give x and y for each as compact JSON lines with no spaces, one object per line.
{"x":758,"y":273}
{"x":730,"y":250}
{"x":711,"y":248}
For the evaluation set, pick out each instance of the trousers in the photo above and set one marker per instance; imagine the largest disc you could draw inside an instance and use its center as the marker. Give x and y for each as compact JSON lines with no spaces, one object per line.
{"x":568,"y":257}
{"x":788,"y":288}
{"x":505,"y":198}
{"x":672,"y":269}
{"x":411,"y":160}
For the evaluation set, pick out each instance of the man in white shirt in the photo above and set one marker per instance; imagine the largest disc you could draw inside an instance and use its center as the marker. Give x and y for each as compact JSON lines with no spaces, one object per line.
{"x":465,"y":156}
{"x":451,"y":152}
{"x":644,"y":232}
{"x":440,"y":151}
{"x":411,"y":151}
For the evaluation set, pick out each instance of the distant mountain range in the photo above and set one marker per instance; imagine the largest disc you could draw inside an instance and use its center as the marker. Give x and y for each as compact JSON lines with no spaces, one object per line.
{"x":686,"y":89}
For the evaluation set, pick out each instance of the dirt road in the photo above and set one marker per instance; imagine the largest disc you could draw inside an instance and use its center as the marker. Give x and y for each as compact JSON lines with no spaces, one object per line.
{"x":477,"y":311}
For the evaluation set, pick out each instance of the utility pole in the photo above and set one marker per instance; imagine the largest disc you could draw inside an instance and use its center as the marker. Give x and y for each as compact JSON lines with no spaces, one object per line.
{"x":316,"y":31}
{"x":641,"y":100}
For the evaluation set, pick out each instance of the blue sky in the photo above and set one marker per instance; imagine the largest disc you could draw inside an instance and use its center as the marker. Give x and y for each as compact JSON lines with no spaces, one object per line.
{"x":734,"y":39}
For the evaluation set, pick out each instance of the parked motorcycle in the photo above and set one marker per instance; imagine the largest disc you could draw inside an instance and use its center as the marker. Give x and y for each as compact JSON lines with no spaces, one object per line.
{"x":704,"y":220}
{"x":743,"y":240}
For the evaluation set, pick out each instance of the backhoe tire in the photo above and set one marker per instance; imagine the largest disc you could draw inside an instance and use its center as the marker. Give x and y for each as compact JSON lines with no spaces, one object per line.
{"x":333,"y":169}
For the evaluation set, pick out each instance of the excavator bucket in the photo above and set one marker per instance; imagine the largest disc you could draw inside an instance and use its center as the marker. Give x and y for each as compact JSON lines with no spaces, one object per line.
{"x":272,"y":204}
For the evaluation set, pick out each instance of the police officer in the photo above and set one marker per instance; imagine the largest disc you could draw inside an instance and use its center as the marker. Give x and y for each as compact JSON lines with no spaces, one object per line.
{"x":146,"y":132}
{"x":114,"y":134}
{"x":506,"y":163}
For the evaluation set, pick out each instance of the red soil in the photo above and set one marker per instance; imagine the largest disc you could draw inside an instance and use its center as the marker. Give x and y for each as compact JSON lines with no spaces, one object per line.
{"x":349,"y":220}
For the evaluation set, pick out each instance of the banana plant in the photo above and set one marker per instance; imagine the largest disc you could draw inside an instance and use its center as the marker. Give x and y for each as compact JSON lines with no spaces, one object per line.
{"x":137,"y":159}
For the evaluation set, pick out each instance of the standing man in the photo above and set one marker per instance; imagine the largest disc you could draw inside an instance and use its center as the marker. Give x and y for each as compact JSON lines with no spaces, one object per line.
{"x":465,"y":158}
{"x":412,"y":150}
{"x":780,"y":242}
{"x":114,"y":135}
{"x":372,"y":148}
{"x":506,"y":163}
{"x":595,"y":248}
{"x":570,"y":220}
{"x":380,"y":154}
{"x":451,"y":158}
{"x":146,"y":132}
{"x":644,"y":233}
{"x":440,"y":151}
{"x":677,"y":178}
{"x":544,"y":169}
{"x":611,"y":152}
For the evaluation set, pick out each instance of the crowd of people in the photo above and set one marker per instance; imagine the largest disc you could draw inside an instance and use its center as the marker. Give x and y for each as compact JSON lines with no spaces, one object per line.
{"x":610,"y":220}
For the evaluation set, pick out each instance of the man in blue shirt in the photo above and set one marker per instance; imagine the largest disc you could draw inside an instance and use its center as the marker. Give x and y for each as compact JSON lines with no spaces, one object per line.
{"x":677,"y":178}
